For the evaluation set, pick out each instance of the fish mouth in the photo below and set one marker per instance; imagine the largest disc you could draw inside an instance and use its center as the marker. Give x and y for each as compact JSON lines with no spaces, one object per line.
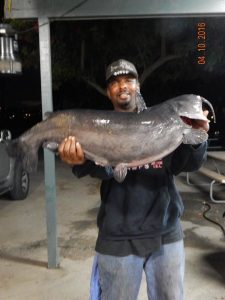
{"x":201,"y":123}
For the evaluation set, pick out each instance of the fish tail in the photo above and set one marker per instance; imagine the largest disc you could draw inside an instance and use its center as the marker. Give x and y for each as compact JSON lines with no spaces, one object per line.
{"x":24,"y":152}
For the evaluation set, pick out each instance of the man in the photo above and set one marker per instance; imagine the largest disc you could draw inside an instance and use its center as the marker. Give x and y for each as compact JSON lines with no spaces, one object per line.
{"x":139,"y":219}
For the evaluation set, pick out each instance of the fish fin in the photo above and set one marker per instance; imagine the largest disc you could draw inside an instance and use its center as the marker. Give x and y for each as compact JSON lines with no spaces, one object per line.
{"x":195,"y":136}
{"x":120,"y":172}
{"x":52,"y":146}
{"x":11,"y":148}
{"x":25,"y":153}
{"x":47,"y":114}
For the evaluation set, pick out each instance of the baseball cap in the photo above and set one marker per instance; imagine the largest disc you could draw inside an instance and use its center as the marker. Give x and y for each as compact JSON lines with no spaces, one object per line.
{"x":120,"y":67}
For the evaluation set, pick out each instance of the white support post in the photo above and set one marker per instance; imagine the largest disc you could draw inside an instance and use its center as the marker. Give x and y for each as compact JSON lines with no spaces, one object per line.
{"x":49,"y":158}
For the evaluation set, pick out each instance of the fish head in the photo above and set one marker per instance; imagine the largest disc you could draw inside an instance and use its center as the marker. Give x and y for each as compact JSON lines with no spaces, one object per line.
{"x":195,"y":124}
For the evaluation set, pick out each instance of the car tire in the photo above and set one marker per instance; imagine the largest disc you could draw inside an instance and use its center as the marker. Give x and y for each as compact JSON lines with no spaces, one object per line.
{"x":21,"y":183}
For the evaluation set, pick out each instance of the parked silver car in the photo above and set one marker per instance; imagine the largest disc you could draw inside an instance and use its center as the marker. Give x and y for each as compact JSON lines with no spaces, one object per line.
{"x":14,"y":180}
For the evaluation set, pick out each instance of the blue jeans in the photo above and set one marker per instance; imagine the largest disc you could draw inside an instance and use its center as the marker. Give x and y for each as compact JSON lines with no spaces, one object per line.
{"x":119,"y":278}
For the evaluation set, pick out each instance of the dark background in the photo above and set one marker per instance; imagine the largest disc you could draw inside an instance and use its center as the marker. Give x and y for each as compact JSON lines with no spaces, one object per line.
{"x":81,"y":50}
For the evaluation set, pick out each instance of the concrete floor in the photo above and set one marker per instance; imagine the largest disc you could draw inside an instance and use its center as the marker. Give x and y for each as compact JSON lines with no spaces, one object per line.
{"x":23,"y":253}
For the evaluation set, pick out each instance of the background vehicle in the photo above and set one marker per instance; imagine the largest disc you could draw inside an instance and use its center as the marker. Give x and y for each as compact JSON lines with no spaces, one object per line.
{"x":14,"y":180}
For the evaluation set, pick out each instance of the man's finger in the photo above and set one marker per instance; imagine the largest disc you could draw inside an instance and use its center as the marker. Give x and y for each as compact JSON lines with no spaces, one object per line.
{"x":73,"y":150}
{"x":80,"y":153}
{"x":61,"y":146}
{"x":205,"y":113}
{"x":66,"y":149}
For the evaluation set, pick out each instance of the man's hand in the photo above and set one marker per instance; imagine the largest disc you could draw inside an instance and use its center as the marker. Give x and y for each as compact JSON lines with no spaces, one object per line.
{"x":70,"y":151}
{"x":202,"y":124}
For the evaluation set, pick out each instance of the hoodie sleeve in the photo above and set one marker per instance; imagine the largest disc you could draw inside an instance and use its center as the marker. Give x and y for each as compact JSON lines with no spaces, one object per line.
{"x":90,"y":168}
{"x":187,"y":158}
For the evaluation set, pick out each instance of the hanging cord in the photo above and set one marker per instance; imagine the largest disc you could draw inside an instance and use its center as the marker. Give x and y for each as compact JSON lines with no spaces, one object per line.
{"x":140,"y":102}
{"x":8,"y":5}
{"x":210,"y":220}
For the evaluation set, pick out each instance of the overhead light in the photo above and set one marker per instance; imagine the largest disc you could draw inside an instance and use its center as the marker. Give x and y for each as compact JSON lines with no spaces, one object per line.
{"x":10,"y":62}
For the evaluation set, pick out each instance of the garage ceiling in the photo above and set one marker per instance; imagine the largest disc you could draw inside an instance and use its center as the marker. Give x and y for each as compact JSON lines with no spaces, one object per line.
{"x":103,"y":9}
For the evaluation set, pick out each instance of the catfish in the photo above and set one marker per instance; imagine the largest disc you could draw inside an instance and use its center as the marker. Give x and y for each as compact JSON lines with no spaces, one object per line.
{"x":122,"y":140}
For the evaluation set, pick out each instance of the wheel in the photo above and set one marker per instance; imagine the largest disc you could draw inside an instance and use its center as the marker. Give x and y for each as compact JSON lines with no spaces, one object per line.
{"x":21,"y":183}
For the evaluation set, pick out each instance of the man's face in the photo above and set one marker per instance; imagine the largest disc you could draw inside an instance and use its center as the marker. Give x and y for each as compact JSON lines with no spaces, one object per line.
{"x":122,"y":91}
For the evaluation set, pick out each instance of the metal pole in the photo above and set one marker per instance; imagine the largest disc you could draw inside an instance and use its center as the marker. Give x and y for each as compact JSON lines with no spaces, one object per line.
{"x":49,"y":158}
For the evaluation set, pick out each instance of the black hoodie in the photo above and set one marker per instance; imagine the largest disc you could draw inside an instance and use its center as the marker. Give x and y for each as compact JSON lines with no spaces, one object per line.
{"x":146,"y":204}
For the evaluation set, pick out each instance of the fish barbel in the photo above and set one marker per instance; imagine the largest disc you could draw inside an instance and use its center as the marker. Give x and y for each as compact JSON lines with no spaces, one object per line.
{"x":122,"y":140}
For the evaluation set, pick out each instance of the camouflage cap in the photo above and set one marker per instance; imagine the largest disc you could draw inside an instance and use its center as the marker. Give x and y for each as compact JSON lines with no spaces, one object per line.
{"x":121,"y":67}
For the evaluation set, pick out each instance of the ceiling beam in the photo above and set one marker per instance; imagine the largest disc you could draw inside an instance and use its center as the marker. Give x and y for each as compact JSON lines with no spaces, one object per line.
{"x":109,"y":9}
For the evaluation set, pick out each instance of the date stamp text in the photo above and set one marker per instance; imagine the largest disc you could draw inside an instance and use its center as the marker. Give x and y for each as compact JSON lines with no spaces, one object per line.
{"x":201,"y":43}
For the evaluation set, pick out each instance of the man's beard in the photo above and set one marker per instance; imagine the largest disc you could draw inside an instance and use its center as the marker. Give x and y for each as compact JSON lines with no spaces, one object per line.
{"x":124,"y":105}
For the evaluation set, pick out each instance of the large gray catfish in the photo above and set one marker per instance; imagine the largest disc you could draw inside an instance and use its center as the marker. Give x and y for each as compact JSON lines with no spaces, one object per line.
{"x":118,"y":139}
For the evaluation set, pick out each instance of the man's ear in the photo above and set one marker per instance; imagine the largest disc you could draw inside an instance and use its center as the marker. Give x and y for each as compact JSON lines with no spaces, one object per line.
{"x":138,"y":87}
